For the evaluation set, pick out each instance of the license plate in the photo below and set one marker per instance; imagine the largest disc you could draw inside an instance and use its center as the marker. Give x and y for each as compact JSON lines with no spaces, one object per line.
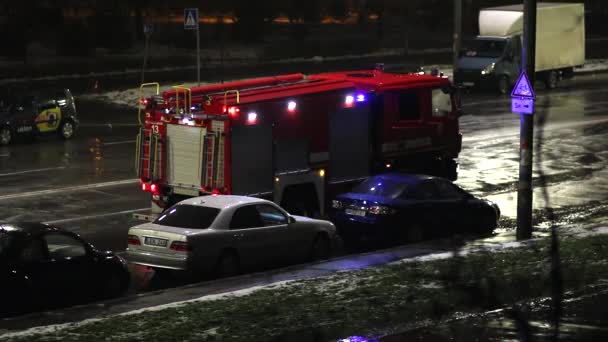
{"x":355,"y":212}
{"x":155,"y":242}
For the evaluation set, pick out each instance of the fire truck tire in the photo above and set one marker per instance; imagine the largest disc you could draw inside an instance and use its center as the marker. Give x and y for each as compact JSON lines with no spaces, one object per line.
{"x":300,"y":199}
{"x":227,"y":264}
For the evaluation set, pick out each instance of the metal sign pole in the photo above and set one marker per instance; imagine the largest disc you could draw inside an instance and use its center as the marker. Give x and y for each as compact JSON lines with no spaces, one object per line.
{"x":524,"y":188}
{"x":198,"y":53}
{"x":457,"y":32}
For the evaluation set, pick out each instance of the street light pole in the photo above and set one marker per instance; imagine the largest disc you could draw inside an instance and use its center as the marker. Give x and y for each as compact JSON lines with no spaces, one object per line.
{"x":457,"y":32}
{"x":526,"y":139}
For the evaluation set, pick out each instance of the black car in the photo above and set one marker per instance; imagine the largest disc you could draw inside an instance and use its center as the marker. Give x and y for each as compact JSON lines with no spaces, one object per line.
{"x":410,"y":207}
{"x":43,"y":266}
{"x":35,"y":114}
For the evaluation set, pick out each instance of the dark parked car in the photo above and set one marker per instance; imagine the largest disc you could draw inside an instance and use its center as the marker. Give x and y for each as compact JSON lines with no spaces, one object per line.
{"x":42,"y":266}
{"x":410,"y":207}
{"x":36,"y":114}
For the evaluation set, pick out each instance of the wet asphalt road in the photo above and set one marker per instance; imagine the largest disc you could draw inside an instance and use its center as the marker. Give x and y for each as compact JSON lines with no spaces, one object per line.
{"x":88,"y":184}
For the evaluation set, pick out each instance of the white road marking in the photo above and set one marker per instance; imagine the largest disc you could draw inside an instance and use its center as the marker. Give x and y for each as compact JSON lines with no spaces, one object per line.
{"x":82,"y":218}
{"x":68,"y":189}
{"x":4,"y":155}
{"x":109,"y":125}
{"x":118,"y":142}
{"x":31,"y":171}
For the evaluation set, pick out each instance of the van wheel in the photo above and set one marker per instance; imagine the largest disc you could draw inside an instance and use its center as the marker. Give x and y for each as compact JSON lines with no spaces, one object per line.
{"x":227,"y":265}
{"x":551,"y":79}
{"x":67,"y":130}
{"x":5,"y":136}
{"x":503,"y":85}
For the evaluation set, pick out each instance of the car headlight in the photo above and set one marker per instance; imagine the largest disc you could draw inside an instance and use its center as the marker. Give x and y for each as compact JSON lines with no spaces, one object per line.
{"x":380,"y":210}
{"x":488,"y":69}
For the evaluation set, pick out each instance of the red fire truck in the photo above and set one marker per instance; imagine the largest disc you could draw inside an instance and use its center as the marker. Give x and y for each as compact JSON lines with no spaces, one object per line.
{"x":295,"y":139}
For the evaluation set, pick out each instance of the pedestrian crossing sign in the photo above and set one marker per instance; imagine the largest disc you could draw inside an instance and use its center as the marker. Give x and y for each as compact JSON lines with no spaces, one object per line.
{"x":523,"y":88}
{"x":190,"y":18}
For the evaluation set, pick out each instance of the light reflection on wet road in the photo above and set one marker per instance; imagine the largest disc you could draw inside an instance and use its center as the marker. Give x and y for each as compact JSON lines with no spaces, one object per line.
{"x":38,"y":179}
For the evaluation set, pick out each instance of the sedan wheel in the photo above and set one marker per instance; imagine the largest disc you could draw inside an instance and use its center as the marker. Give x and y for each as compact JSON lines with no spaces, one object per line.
{"x":5,"y":136}
{"x":227,"y":265}
{"x":67,"y":130}
{"x":320,"y":249}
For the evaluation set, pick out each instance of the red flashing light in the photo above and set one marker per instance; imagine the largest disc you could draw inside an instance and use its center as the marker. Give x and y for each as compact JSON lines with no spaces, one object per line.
{"x":291,"y":106}
{"x":233,"y":111}
{"x":133,"y":240}
{"x":155,"y":189}
{"x":215,"y":192}
{"x":145,"y":186}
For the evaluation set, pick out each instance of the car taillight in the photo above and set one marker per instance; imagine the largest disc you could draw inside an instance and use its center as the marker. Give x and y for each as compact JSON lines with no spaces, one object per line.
{"x":180,"y":246}
{"x":155,"y":189}
{"x":380,"y":210}
{"x":337,"y":204}
{"x":133,"y":240}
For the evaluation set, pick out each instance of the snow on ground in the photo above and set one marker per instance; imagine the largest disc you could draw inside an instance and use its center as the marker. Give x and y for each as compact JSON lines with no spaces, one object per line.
{"x":332,"y":282}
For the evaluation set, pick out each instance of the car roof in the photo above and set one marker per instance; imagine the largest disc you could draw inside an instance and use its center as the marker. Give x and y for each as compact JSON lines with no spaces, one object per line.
{"x":27,"y":227}
{"x":222,"y":201}
{"x":411,"y":179}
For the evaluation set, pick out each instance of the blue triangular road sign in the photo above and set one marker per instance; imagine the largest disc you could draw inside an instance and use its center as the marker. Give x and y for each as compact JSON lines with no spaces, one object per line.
{"x":190,"y":18}
{"x":522,"y":87}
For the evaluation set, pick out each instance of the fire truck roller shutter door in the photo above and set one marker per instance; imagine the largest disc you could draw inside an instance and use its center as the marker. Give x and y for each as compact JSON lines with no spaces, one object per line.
{"x":252,"y":159}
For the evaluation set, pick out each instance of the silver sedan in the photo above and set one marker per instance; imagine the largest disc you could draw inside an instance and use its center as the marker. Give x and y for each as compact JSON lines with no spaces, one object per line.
{"x":226,"y":234}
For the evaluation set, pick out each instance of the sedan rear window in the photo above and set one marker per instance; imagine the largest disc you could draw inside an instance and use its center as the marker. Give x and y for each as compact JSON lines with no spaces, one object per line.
{"x":188,"y":216}
{"x":382,"y":187}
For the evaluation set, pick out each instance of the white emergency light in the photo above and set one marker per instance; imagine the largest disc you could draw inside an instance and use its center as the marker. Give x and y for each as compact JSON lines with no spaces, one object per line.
{"x":252,"y":117}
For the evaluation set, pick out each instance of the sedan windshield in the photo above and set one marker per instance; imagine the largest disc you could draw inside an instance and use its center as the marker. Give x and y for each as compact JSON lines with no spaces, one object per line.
{"x":382,"y":187}
{"x":188,"y":216}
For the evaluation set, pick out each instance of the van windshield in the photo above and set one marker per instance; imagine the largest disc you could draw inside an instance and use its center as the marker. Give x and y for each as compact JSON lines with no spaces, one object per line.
{"x":485,"y":48}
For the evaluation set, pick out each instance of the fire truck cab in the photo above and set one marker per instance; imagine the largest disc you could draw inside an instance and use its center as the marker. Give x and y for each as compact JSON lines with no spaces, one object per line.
{"x":297,"y":140}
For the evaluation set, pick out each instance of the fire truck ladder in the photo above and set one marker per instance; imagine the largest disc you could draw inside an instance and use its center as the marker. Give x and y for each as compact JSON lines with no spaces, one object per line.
{"x":187,"y":99}
{"x":141,"y":98}
{"x":213,"y":157}
{"x":152,"y":140}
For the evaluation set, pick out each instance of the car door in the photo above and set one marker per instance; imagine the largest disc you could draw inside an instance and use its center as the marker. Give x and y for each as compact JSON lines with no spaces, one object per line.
{"x":425,"y":209}
{"x":456,"y":212}
{"x":285,"y":241}
{"x":251,"y":238}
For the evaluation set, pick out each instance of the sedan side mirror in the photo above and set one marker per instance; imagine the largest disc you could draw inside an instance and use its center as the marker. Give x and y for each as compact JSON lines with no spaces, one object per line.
{"x":291,"y":220}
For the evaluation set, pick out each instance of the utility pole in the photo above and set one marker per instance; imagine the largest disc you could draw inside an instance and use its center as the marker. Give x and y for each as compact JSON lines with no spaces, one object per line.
{"x":526,"y":139}
{"x":457,"y":31}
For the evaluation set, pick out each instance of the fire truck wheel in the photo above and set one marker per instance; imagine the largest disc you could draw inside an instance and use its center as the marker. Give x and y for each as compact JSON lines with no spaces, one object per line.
{"x":227,"y":264}
{"x":320,"y":248}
